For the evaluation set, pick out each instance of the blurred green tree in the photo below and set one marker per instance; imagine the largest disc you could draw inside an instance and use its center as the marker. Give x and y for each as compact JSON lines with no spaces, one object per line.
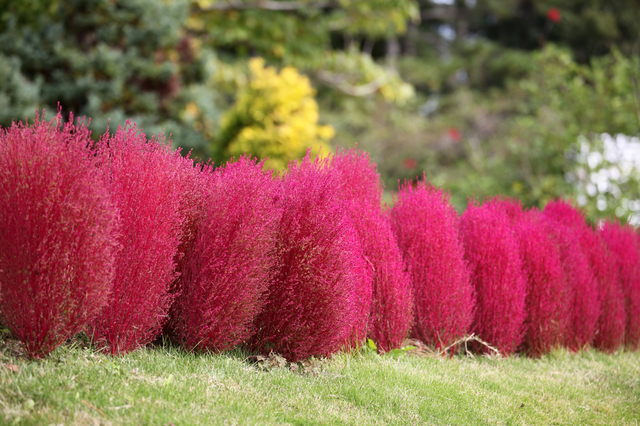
{"x":109,"y":60}
{"x":174,"y":64}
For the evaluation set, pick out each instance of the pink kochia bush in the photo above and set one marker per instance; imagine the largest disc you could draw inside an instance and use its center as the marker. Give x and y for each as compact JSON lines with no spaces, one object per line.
{"x":195,"y":183}
{"x":194,"y":180}
{"x":57,"y":229}
{"x":546,"y":285}
{"x":142,"y":177}
{"x":391,"y":313}
{"x":391,"y":308}
{"x":575,"y":242}
{"x":426,"y":225}
{"x":612,"y":322}
{"x":625,"y":246}
{"x":602,"y":304}
{"x":226,"y":271}
{"x":321,"y":278}
{"x":491,"y":249}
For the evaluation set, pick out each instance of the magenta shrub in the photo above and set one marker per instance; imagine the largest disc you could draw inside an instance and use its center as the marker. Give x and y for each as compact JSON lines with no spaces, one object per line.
{"x":500,"y":285}
{"x":426,"y":225}
{"x":193,"y":180}
{"x":546,"y":284}
{"x":142,"y":177}
{"x":57,"y":228}
{"x":125,"y":237}
{"x":359,"y":177}
{"x":390,"y":315}
{"x":321,"y":276}
{"x":610,"y":325}
{"x":227,"y":270}
{"x":612,"y":322}
{"x":623,"y":243}
{"x":582,"y":262}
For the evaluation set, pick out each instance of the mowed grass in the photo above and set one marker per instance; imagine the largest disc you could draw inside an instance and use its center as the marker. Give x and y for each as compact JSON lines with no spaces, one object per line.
{"x":163,"y":385}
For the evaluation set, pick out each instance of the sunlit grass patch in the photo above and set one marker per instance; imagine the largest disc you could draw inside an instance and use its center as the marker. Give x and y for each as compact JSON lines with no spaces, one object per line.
{"x":164,"y":385}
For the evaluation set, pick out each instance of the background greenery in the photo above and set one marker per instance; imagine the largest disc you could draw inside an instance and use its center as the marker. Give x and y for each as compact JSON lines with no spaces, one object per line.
{"x":485,"y":96}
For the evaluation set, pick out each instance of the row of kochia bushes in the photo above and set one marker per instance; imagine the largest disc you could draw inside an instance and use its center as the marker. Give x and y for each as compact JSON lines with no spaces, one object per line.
{"x":125,"y":239}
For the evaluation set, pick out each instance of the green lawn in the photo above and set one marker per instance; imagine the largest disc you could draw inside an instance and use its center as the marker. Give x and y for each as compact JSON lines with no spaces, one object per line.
{"x":163,"y":385}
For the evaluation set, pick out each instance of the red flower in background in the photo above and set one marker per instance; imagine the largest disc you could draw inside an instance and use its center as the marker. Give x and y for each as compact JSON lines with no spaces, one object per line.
{"x":553,"y":15}
{"x":454,"y":134}
{"x":410,"y":163}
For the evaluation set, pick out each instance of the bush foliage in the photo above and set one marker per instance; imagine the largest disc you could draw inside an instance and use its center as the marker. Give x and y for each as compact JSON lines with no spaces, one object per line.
{"x":117,"y":237}
{"x":571,"y":233}
{"x":57,"y":233}
{"x":604,"y":299}
{"x":227,"y":270}
{"x":426,"y":226}
{"x":391,"y":308}
{"x":491,"y":248}
{"x":142,"y":177}
{"x":546,"y":283}
{"x":623,"y":242}
{"x":320,"y":295}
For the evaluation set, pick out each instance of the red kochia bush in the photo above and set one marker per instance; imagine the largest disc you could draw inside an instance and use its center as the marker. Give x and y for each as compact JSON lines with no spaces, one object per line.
{"x":391,"y":313}
{"x":581,"y":267}
{"x":546,"y":285}
{"x":426,"y":225}
{"x":193,"y":180}
{"x":194,"y":184}
{"x":226,"y":272}
{"x":601,"y":305}
{"x":360,"y":180}
{"x":613,"y":316}
{"x":141,"y":176}
{"x":623,"y":243}
{"x":391,"y":305}
{"x":491,"y":249}
{"x":57,"y":227}
{"x":321,"y":274}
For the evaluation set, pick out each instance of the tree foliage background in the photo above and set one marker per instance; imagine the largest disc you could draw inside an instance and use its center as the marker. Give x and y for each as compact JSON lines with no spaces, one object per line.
{"x":528,"y":98}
